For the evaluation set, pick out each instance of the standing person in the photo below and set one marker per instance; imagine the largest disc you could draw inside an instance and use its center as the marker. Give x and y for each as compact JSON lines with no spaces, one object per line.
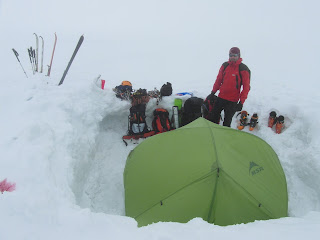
{"x":231,"y":77}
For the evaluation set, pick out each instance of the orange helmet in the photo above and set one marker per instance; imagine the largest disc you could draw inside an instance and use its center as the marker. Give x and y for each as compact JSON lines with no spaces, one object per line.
{"x":126,"y":83}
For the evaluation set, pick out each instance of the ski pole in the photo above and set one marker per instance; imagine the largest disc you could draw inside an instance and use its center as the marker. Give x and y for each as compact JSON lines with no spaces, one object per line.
{"x":17,"y":56}
{"x":30,"y":57}
{"x":34,"y":59}
{"x":71,"y":60}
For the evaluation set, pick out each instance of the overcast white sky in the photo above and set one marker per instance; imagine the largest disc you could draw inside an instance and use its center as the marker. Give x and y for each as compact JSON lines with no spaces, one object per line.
{"x":169,"y":39}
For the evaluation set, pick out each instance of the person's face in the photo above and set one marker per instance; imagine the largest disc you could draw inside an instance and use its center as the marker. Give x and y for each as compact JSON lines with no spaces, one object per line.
{"x":233,"y":57}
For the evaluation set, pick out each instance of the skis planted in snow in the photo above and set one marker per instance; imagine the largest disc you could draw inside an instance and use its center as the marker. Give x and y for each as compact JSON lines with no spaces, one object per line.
{"x":37,"y":51}
{"x":41,"y":69}
{"x":54,"y":47}
{"x":72,"y":58}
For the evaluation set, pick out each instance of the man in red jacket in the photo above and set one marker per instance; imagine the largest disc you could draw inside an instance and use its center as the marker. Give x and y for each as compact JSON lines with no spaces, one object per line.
{"x":233,"y":83}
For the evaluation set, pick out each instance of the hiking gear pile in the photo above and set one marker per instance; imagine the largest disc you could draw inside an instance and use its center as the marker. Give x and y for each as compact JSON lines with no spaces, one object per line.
{"x":140,"y":97}
{"x":137,"y":125}
{"x":182,"y":114}
{"x":124,"y":90}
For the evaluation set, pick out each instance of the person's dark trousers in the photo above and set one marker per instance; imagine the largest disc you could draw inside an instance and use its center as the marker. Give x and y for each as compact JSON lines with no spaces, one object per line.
{"x":229,"y":110}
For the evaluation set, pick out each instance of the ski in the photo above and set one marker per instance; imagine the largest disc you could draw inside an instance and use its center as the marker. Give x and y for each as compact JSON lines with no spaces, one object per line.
{"x":54,"y":47}
{"x":37,"y":50}
{"x":136,"y":137}
{"x":17,"y":56}
{"x":33,"y":56}
{"x":41,"y":69}
{"x":72,"y":58}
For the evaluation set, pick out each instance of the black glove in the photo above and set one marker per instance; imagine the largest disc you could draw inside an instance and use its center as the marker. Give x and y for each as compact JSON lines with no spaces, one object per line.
{"x":212,"y":96}
{"x":239,"y":106}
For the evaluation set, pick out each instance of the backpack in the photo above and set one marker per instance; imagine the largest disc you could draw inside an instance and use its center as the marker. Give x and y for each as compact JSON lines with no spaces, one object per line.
{"x":123,"y":88}
{"x":242,"y":67}
{"x":191,"y":110}
{"x":123,"y":91}
{"x":161,"y":122}
{"x":166,"y":89}
{"x":207,"y":107}
{"x":137,"y":120}
{"x":140,"y":97}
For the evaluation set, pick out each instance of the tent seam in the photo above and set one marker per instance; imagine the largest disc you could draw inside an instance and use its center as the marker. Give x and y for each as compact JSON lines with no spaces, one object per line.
{"x":195,"y":181}
{"x":217,"y":176}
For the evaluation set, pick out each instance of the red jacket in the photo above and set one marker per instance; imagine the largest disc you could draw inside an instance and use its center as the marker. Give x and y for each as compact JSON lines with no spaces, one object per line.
{"x":229,"y":82}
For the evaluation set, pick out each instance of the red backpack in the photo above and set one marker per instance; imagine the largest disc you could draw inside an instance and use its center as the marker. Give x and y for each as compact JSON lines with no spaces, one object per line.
{"x":161,"y":122}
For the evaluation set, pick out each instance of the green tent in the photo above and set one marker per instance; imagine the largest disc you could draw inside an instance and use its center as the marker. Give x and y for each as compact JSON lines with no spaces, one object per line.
{"x":220,"y":174}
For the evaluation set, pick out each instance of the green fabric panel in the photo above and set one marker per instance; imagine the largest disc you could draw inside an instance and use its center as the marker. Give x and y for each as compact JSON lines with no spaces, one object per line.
{"x":188,"y":203}
{"x":153,"y":172}
{"x":233,"y":204}
{"x":253,"y":164}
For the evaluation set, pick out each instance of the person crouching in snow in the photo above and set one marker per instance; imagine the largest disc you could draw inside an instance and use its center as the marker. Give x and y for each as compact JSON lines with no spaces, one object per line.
{"x":233,"y":83}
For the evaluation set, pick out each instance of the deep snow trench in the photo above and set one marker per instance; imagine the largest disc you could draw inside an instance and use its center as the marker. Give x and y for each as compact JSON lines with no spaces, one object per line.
{"x":98,"y":174}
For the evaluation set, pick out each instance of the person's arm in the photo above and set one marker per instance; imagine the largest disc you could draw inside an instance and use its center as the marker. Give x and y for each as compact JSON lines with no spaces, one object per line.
{"x":218,"y":81}
{"x":246,"y":86}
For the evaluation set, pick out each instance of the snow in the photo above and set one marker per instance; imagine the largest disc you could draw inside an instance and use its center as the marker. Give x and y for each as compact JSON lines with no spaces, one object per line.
{"x":62,"y":145}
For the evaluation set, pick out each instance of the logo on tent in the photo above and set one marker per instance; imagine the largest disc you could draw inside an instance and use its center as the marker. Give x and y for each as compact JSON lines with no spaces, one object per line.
{"x":254,"y":168}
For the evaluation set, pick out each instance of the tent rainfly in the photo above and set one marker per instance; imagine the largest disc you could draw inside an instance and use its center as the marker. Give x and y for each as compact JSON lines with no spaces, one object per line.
{"x":223,"y":175}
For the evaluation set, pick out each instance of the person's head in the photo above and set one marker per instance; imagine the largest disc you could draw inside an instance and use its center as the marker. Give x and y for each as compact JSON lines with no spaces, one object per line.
{"x":234,"y":54}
